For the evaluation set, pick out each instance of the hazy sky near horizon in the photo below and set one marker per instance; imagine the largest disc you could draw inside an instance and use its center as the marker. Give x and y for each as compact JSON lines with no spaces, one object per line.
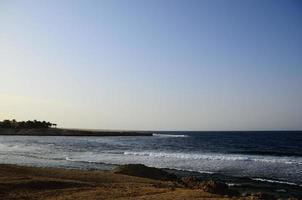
{"x":138,"y":64}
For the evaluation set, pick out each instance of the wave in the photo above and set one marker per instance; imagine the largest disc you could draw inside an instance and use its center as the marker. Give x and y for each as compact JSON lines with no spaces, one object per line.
{"x":206,"y":163}
{"x":220,"y":157}
{"x":84,"y":161}
{"x":18,"y":148}
{"x":36,"y":156}
{"x":168,"y":135}
{"x":275,"y":181}
{"x":191,"y":170}
{"x":179,"y":169}
{"x":269,"y":153}
{"x":77,"y":160}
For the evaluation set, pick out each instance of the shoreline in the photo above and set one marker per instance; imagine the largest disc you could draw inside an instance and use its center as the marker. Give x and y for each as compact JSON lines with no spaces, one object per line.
{"x":19,"y":182}
{"x":15,"y":176}
{"x":67,"y":132}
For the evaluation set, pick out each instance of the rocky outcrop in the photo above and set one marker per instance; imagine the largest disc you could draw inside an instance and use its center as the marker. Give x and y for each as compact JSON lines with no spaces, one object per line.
{"x":190,"y":182}
{"x":211,"y":186}
{"x":261,"y":196}
{"x":140,"y":170}
{"x":216,"y":187}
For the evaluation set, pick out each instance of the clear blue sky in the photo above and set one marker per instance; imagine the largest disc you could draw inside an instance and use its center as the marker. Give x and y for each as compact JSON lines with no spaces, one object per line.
{"x":169,"y":64}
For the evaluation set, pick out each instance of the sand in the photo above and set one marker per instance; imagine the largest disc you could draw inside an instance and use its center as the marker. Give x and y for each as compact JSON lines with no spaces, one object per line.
{"x":19,"y":182}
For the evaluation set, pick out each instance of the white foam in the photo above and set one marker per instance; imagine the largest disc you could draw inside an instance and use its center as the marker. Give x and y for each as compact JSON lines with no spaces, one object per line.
{"x":275,"y":181}
{"x":120,"y":151}
{"x":233,"y":184}
{"x":190,"y":170}
{"x":68,"y":159}
{"x":237,"y":165}
{"x":79,"y":160}
{"x":168,"y":135}
{"x":17,"y":148}
{"x":213,"y":156}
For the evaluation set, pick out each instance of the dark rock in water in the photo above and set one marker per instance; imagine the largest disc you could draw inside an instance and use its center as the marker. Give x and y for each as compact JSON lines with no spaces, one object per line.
{"x":216,"y":187}
{"x":140,"y":170}
{"x":261,"y":196}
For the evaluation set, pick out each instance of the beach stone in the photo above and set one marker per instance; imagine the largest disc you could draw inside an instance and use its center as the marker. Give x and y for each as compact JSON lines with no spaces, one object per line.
{"x":217,"y":187}
{"x":140,"y":170}
{"x":214,"y":187}
{"x":261,"y":196}
{"x":245,"y":194}
{"x":190,"y":181}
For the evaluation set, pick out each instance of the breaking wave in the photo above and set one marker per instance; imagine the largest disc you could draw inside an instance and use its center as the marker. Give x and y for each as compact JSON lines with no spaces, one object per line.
{"x":168,"y":135}
{"x":221,"y":157}
{"x":275,"y":181}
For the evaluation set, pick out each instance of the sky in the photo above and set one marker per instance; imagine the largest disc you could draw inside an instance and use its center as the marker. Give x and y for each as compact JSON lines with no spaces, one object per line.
{"x":153,"y":65}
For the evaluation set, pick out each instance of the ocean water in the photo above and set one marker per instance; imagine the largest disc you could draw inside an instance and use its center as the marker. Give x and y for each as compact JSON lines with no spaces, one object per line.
{"x":262,"y":156}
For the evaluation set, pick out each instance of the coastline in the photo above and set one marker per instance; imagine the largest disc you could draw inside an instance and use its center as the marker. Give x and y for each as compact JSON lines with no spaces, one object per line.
{"x":21,"y":182}
{"x":67,"y":132}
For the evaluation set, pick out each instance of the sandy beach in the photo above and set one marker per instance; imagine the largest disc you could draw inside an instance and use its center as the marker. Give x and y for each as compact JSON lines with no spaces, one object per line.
{"x":61,"y":184}
{"x":19,"y":182}
{"x":151,"y":100}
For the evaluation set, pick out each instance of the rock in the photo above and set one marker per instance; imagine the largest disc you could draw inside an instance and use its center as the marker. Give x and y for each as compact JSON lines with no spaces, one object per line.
{"x":245,"y":194}
{"x":216,"y":187}
{"x":261,"y":196}
{"x":190,"y":181}
{"x":140,"y":170}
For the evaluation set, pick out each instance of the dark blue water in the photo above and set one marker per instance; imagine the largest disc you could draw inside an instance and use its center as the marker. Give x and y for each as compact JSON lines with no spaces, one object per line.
{"x":271,"y":156}
{"x":281,"y":143}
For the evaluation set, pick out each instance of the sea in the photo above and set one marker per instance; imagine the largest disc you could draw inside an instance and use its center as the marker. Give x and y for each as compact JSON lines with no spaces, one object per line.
{"x":265,"y":156}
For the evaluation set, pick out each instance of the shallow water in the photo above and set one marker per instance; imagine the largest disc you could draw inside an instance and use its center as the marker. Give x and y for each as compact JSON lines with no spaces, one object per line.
{"x":269,"y":156}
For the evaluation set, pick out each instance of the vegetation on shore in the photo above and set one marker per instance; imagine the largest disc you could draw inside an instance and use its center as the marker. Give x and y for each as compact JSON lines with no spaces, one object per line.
{"x":43,"y":128}
{"x":26,"y":124}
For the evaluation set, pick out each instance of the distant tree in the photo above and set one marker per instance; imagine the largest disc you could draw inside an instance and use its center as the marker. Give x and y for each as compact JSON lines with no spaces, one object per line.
{"x":6,"y":123}
{"x":14,"y":123}
{"x":25,"y":124}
